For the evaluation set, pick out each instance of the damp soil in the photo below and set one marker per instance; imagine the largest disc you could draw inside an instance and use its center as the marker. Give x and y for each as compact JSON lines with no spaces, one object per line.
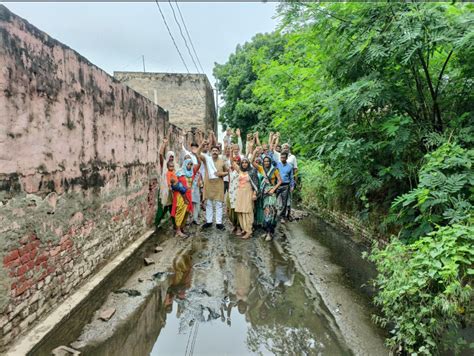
{"x":215,"y":294}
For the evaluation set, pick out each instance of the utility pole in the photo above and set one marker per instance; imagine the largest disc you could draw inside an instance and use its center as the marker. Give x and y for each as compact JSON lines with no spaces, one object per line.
{"x":143,"y":60}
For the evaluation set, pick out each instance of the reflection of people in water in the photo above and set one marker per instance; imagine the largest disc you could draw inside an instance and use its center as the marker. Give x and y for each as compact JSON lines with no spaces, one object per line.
{"x":180,"y":282}
{"x":240,"y":292}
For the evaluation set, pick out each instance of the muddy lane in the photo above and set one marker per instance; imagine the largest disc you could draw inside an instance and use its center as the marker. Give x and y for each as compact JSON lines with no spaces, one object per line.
{"x":215,"y":294}
{"x":240,"y":297}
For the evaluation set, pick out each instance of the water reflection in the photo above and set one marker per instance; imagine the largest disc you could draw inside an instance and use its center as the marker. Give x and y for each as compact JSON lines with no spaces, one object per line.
{"x":239,"y":297}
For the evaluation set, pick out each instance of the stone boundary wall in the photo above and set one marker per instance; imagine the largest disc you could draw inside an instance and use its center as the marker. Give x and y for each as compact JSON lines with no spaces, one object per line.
{"x":79,"y":171}
{"x":356,"y":230}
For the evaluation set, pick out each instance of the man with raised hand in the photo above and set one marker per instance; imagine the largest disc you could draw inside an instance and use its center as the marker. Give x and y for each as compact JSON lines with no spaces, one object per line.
{"x":215,"y":171}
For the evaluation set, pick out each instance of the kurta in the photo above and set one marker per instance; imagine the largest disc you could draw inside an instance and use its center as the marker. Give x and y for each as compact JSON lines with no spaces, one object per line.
{"x":214,"y":188}
{"x":244,"y":201}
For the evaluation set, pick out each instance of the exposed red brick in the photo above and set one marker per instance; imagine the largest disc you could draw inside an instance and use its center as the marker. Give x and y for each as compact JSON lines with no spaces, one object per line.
{"x":12,"y":264}
{"x":42,"y":258}
{"x":31,"y":265}
{"x":32,"y":245}
{"x":22,"y":288}
{"x":33,"y":254}
{"x":25,"y":258}
{"x":12,"y":255}
{"x":22,"y":270}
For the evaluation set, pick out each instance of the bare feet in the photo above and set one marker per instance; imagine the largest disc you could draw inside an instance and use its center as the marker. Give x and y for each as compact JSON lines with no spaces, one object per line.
{"x":268,"y":238}
{"x":246,"y":236}
{"x":179,"y":233}
{"x":239,"y":232}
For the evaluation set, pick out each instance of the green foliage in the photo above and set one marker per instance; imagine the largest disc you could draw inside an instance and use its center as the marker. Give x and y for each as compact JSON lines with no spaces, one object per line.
{"x":318,"y":190}
{"x":379,"y":98}
{"x":236,"y":80}
{"x":443,"y":196}
{"x":425,"y":288}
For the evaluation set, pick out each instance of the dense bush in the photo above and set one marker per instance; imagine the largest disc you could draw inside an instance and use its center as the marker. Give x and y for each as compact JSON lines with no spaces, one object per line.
{"x":425,"y":276}
{"x":425,"y":288}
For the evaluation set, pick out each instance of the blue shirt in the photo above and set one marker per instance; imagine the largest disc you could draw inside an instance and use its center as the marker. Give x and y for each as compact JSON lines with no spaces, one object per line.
{"x":286,"y":173}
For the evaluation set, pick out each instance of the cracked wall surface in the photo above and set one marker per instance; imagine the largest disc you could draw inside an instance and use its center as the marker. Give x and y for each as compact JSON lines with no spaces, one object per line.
{"x":79,"y":170}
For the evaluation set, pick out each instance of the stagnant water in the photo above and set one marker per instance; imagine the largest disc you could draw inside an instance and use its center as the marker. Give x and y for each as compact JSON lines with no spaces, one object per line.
{"x":223,"y":296}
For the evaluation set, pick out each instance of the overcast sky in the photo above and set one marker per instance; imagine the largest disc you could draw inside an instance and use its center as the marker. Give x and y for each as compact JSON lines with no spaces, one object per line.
{"x":115,"y":35}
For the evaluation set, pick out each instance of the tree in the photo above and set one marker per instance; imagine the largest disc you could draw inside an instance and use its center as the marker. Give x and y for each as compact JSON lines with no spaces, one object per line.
{"x":236,"y":79}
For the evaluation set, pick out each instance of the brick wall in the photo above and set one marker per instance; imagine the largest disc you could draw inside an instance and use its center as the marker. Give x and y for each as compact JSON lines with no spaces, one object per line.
{"x":189,"y":98}
{"x":78,"y":170}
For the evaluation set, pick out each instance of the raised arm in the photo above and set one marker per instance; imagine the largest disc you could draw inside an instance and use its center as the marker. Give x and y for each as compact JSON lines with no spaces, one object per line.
{"x":234,"y":165}
{"x":199,"y":152}
{"x":239,"y":139}
{"x":257,"y":139}
{"x":250,"y":144}
{"x":162,"y":150}
{"x":270,"y":141}
{"x":212,"y":138}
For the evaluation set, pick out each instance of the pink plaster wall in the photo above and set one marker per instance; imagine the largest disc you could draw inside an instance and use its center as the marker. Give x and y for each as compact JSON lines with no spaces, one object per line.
{"x":78,"y":170}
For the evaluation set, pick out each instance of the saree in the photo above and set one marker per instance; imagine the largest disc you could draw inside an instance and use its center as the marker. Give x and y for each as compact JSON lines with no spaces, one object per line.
{"x":180,"y":208}
{"x":259,"y":203}
{"x":164,"y":196}
{"x":270,"y":202}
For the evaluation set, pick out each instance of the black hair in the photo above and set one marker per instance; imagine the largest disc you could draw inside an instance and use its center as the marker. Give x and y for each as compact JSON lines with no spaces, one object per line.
{"x":216,"y":147}
{"x":284,"y":154}
{"x":194,"y":144}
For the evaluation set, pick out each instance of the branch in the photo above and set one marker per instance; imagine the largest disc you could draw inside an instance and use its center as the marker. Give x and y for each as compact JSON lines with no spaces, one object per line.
{"x":442,"y":71}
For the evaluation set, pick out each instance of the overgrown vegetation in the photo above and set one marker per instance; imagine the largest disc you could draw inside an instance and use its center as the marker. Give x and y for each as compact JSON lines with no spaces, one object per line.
{"x":379,"y":100}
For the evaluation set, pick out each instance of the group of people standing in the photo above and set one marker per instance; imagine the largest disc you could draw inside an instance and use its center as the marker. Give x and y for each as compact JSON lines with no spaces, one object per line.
{"x":254,"y":185}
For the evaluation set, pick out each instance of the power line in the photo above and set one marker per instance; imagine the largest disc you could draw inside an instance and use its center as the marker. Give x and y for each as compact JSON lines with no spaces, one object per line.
{"x":189,"y":36}
{"x":177,"y":49}
{"x":171,"y":35}
{"x":184,"y":38}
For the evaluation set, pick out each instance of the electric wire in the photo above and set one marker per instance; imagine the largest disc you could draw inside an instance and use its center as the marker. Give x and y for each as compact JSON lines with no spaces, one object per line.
{"x":189,"y":36}
{"x":184,"y":38}
{"x":177,"y":49}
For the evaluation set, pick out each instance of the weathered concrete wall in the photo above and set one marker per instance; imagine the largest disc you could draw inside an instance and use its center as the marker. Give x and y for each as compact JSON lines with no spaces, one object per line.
{"x":189,"y":98}
{"x":78,"y":170}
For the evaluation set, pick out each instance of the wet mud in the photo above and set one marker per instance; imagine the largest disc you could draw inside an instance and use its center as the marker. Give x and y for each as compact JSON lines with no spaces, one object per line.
{"x":215,"y":294}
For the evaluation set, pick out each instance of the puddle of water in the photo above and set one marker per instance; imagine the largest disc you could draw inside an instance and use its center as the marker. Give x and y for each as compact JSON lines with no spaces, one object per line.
{"x":245,"y":300}
{"x":358,"y":271}
{"x":227,"y":297}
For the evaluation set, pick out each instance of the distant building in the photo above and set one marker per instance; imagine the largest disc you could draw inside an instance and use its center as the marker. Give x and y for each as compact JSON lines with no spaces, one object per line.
{"x":189,"y":98}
